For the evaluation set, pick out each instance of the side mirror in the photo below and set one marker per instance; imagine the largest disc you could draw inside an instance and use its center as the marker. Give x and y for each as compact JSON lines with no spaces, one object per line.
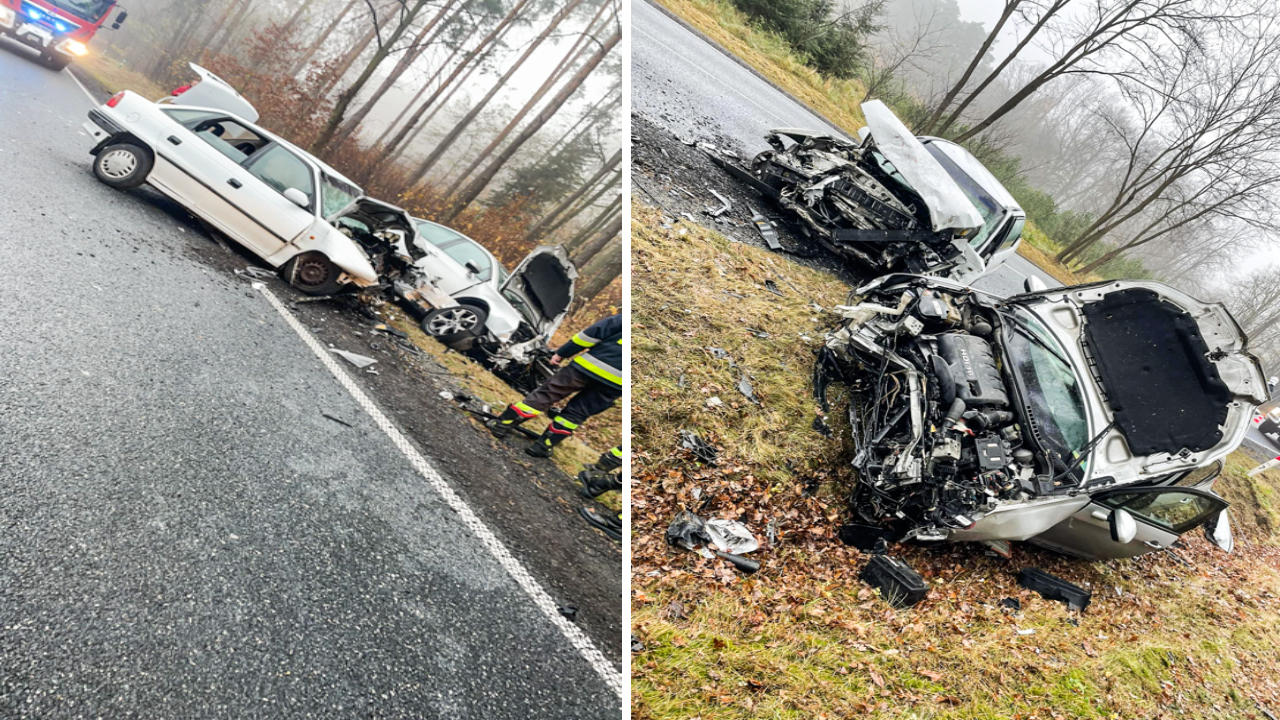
{"x":472,"y":267}
{"x":120,"y":20}
{"x":863,"y":133}
{"x":1123,"y":527}
{"x":1218,"y":532}
{"x":1034,"y":284}
{"x":299,"y":198}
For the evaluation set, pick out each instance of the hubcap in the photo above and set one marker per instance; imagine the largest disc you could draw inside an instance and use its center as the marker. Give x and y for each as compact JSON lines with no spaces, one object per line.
{"x":118,"y":164}
{"x":312,"y":273}
{"x":453,"y":321}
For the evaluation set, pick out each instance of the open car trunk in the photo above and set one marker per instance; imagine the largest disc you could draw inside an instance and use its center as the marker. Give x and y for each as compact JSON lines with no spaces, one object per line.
{"x":543,"y":284}
{"x":214,"y":93}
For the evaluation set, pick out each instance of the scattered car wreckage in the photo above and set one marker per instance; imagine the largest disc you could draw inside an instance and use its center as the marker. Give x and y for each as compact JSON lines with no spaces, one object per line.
{"x":891,"y":203}
{"x":1091,"y":420}
{"x":324,"y":236}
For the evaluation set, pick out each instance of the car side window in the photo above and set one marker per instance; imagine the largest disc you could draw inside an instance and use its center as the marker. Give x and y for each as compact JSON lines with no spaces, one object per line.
{"x":229,"y":138}
{"x":282,"y":170}
{"x":189,"y":117}
{"x":1173,"y":510}
{"x":1011,"y":237}
{"x":465,"y":251}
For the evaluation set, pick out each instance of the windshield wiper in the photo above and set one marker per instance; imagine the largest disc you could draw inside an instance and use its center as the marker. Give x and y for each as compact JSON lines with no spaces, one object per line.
{"x":1026,"y":331}
{"x":1084,"y":452}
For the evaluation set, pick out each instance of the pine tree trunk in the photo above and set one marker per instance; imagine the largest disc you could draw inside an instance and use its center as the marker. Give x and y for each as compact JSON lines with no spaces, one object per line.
{"x":552,"y":78}
{"x":584,"y":252}
{"x":534,"y":234}
{"x":497,"y":32}
{"x":611,"y":184}
{"x":598,"y":274}
{"x":348,"y":96}
{"x":320,"y":40}
{"x":406,"y":60}
{"x":461,"y":126}
{"x":477,"y":186}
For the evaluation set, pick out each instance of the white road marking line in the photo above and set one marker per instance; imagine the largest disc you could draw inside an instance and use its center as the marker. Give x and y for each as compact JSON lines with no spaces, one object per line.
{"x":76,"y":80}
{"x":517,"y":571}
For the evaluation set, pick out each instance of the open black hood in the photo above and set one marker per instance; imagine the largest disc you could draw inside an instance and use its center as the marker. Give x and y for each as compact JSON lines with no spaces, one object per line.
{"x":1165,"y":393}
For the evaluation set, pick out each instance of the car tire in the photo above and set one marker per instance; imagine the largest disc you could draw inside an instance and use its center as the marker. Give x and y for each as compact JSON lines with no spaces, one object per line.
{"x":312,"y":273}
{"x":123,"y":166}
{"x":56,"y":63}
{"x":455,"y":326}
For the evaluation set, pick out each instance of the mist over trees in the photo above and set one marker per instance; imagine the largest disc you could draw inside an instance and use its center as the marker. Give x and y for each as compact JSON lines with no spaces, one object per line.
{"x":501,"y":118}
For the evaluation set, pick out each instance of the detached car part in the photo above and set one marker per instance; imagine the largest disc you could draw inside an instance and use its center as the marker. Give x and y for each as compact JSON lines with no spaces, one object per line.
{"x":1043,"y":417}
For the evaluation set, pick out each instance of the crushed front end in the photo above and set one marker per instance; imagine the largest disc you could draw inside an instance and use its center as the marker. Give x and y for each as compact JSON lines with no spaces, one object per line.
{"x":937,"y":442}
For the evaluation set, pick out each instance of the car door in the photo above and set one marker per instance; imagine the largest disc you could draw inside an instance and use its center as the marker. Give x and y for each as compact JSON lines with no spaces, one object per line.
{"x":1010,"y":237}
{"x":1162,"y":515}
{"x":448,"y":253}
{"x":232,"y":197}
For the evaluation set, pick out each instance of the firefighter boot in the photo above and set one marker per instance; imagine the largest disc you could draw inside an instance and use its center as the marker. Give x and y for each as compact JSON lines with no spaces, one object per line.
{"x":557,"y":432}
{"x":596,"y":483}
{"x":511,"y":417}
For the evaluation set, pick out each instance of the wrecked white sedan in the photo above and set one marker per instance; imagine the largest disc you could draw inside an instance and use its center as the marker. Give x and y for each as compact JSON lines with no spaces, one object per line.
{"x":1088,"y":419}
{"x":892,"y":203}
{"x":204,"y":151}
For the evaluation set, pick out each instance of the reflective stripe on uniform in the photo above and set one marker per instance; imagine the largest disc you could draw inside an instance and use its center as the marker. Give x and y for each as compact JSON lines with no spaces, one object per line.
{"x":565,"y":423}
{"x":585,"y":341}
{"x":525,"y":411}
{"x":617,"y":452}
{"x":595,"y":367}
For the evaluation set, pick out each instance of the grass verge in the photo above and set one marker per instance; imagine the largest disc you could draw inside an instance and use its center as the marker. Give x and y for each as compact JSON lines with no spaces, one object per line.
{"x":113,"y":76}
{"x":597,"y":435}
{"x":804,"y":638}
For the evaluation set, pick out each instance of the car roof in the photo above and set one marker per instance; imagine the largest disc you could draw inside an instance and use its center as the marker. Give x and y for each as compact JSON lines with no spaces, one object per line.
{"x":974,"y":169}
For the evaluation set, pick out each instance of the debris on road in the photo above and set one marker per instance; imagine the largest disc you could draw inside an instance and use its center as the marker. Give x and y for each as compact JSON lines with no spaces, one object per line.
{"x":569,"y":611}
{"x":1011,"y":604}
{"x":731,"y":536}
{"x":772,"y":287}
{"x":748,"y":390}
{"x":899,"y":585}
{"x":725,"y":207}
{"x":258,"y":273}
{"x":766,"y":229}
{"x":1052,"y":587}
{"x":338,"y":420}
{"x":690,"y":532}
{"x":360,"y":361}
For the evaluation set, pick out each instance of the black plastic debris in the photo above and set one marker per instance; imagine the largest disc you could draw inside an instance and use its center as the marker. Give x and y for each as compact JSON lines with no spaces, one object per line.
{"x":748,"y":390}
{"x":866,"y":538}
{"x":636,"y":645}
{"x":772,"y":287}
{"x":766,"y":229}
{"x":1052,"y":587}
{"x":687,"y":531}
{"x":699,"y":447}
{"x":899,"y":585}
{"x":384,"y":328}
{"x":744,"y":564}
{"x":820,"y":424}
{"x":569,"y":611}
{"x":1011,"y":603}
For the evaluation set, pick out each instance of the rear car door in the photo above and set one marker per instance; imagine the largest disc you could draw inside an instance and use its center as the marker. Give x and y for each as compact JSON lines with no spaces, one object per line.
{"x":1163,"y":514}
{"x":450,"y":274}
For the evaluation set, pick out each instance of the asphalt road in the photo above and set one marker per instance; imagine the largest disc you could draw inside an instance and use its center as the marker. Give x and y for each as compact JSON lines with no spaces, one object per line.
{"x":183,"y":533}
{"x":696,"y":91}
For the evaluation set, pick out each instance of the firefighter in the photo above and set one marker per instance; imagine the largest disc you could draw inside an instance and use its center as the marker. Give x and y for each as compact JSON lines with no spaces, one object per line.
{"x":593,"y":378}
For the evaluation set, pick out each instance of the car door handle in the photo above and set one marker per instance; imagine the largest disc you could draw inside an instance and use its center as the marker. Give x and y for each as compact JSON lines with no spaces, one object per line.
{"x":235,"y":183}
{"x":175,"y":140}
{"x":1099,"y":515}
{"x":1153,"y":544}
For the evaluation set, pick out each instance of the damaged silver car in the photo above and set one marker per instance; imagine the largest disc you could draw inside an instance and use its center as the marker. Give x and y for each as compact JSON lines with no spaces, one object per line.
{"x":1091,"y":419}
{"x":893,"y":202}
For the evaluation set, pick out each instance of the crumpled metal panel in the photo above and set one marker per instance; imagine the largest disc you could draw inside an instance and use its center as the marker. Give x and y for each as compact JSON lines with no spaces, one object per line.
{"x":949,"y":208}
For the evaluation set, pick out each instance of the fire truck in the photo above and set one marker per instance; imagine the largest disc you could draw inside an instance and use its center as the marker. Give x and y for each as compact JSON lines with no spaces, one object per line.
{"x":59,"y":29}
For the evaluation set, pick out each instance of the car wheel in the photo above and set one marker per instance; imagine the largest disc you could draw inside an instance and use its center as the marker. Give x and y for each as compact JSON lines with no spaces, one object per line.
{"x":456,"y":324}
{"x":123,"y":166}
{"x":56,"y":62}
{"x":312,"y":273}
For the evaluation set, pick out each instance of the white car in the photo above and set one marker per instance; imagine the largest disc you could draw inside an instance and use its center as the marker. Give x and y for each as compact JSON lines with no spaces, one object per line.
{"x":203,"y":150}
{"x":507,"y":318}
{"x":1079,"y":418}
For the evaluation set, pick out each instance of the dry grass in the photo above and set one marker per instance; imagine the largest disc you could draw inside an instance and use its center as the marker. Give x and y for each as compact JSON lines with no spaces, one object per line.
{"x":114,"y":77}
{"x":768,"y":53}
{"x":1039,"y":249}
{"x":805,"y":638}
